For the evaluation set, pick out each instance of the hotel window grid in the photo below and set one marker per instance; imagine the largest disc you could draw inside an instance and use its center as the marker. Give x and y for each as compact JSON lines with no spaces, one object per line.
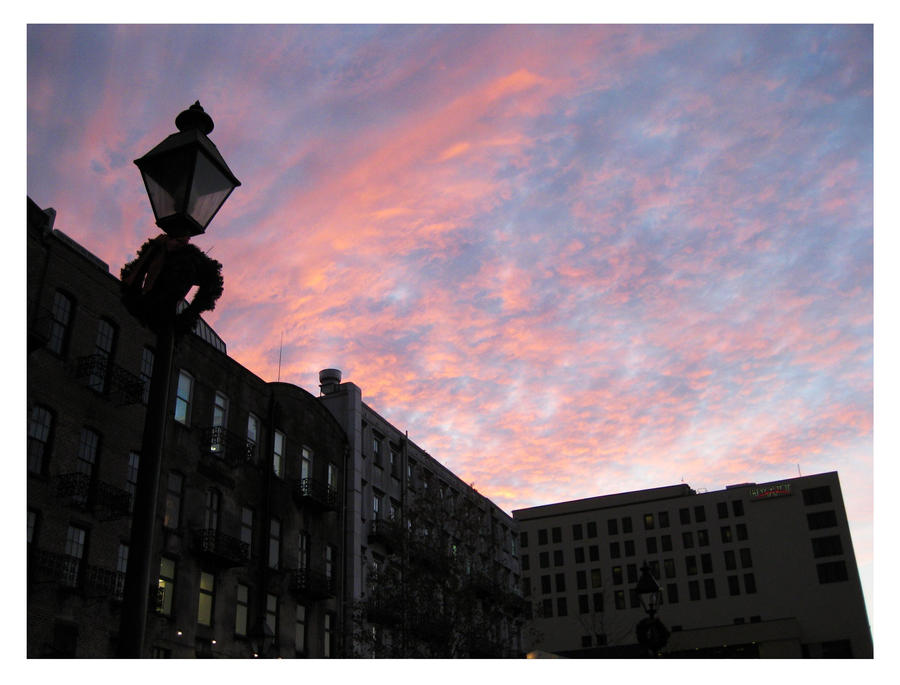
{"x":146,"y":374}
{"x":666,"y":543}
{"x":542,"y":536}
{"x":726,"y":533}
{"x":103,"y":348}
{"x":88,"y":446}
{"x":547,"y":608}
{"x":687,"y":539}
{"x":523,"y":539}
{"x":651,"y":545}
{"x":274,"y":543}
{"x":74,"y":551}
{"x":121,"y":569}
{"x":827,"y":546}
{"x":329,"y":562}
{"x":710,"y":588}
{"x":581,"y":580}
{"x":556,"y":534}
{"x":247,"y":529}
{"x":300,"y":630}
{"x":558,"y":557}
{"x":596,"y":578}
{"x":722,"y":509}
{"x":690,"y":565}
{"x":544,"y":559}
{"x":40,"y":422}
{"x":734,"y":587}
{"x":598,"y":601}
{"x":654,"y":568}
{"x":649,"y":522}
{"x":741,"y":530}
{"x":545,"y":585}
{"x":272,"y":613}
{"x":220,"y":416}
{"x":584,"y":607}
{"x":614,"y":550}
{"x":592,"y":529}
{"x":395,"y":459}
{"x":832,"y":572}
{"x":672,"y":593}
{"x":594,"y":553}
{"x":746,"y":561}
{"x":376,"y":448}
{"x":60,"y":318}
{"x":278,"y":454}
{"x":134,"y":460}
{"x":730,"y":560}
{"x":617,"y":575}
{"x":172,"y":515}
{"x":183,"y":395}
{"x":737,"y":506}
{"x":241,"y":609}
{"x":612,"y":526}
{"x":632,"y":573}
{"x":626,"y":524}
{"x":561,"y":607}
{"x":819,"y":495}
{"x":579,"y":555}
{"x":694,"y":590}
{"x":166,"y":586}
{"x":633,"y":598}
{"x":577,"y":531}
{"x":620,"y":599}
{"x":629,"y":548}
{"x":684,"y":516}
{"x":706,"y":563}
{"x":703,"y":538}
{"x":32,"y":524}
{"x":699,"y":513}
{"x":749,"y":585}
{"x":669,"y":568}
{"x":821,"y":519}
{"x":526,"y":562}
{"x":663,"y":517}
{"x":376,"y":506}
{"x":205,"y":599}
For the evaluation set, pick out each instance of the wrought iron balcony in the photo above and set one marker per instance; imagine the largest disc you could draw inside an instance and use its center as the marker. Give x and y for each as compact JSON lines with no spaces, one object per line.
{"x":63,"y":569}
{"x":316,"y":495}
{"x":106,"y":501}
{"x":220,"y":549}
{"x":307,"y":583}
{"x":387,"y":532}
{"x":100,"y":374}
{"x":231,"y":448}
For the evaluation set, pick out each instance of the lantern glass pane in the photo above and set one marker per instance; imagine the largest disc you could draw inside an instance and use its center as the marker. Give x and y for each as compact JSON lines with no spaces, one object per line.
{"x":210,"y":189}
{"x":167,"y":177}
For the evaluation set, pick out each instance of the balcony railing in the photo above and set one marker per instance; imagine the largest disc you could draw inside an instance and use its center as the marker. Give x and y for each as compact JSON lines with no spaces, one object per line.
{"x":71,"y":572}
{"x":220,"y":549}
{"x":307,"y":583}
{"x":106,"y":501}
{"x":231,"y":448}
{"x":100,"y":374}
{"x":316,"y":494}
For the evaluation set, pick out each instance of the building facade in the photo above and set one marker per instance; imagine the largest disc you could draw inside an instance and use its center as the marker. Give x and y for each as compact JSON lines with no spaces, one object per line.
{"x":754,"y":570}
{"x":271,"y":503}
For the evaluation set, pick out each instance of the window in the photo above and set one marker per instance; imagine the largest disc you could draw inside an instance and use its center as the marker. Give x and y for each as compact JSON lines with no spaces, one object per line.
{"x":651,"y":545}
{"x":694,"y":590}
{"x":579,"y":555}
{"x":746,"y":561}
{"x":617,"y":575}
{"x":749,"y":586}
{"x":300,"y":629}
{"x":560,"y":582}
{"x":147,"y":357}
{"x":594,"y":553}
{"x":626,"y":524}
{"x":649,"y":522}
{"x":166,"y":596}
{"x":376,"y":506}
{"x":557,"y":534}
{"x":737,"y":506}
{"x":821,"y":519}
{"x":722,"y":509}
{"x":699,"y":513}
{"x":585,"y":639}
{"x":666,"y":543}
{"x":832,"y":572}
{"x":183,"y":398}
{"x":545,"y":585}
{"x":88,"y":446}
{"x":241,"y":609}
{"x":544,"y":559}
{"x":706,"y":563}
{"x":710,"y":588}
{"x":328,"y":637}
{"x":684,"y":515}
{"x":614,"y":551}
{"x":633,"y":598}
{"x":211,"y":513}
{"x":547,"y":608}
{"x":690,"y":563}
{"x":306,"y":463}
{"x":131,"y":476}
{"x":274,"y":543}
{"x":303,"y":550}
{"x":592,"y":529}
{"x":74,"y":551}
{"x":220,"y":421}
{"x":526,"y":587}
{"x":629,"y":548}
{"x":558,"y":557}
{"x":561,"y":607}
{"x":577,"y":531}
{"x":597,"y":599}
{"x":523,"y":539}
{"x":173,"y":500}
{"x":581,"y":580}
{"x":612,"y":526}
{"x":741,"y":529}
{"x":819,"y":495}
{"x":247,"y":529}
{"x":734,"y":587}
{"x":40,"y":422}
{"x":632,"y":573}
{"x":619,"y":596}
{"x":272,"y":613}
{"x":330,"y":555}
{"x":542,"y":536}
{"x":730,"y":560}
{"x":121,"y":570}
{"x":60,"y":318}
{"x":669,"y":568}
{"x":205,"y":603}
{"x":278,"y":454}
{"x":828,"y":546}
{"x":703,"y":538}
{"x":687,"y":539}
{"x":103,"y":352}
{"x":726,"y":533}
{"x":332,"y":476}
{"x":672,"y":593}
{"x":597,"y":577}
{"x":526,"y":562}
{"x":663,"y":517}
{"x":252,"y":435}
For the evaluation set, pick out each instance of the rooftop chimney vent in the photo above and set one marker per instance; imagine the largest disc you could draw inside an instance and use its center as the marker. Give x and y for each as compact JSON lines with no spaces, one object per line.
{"x":329,"y":380}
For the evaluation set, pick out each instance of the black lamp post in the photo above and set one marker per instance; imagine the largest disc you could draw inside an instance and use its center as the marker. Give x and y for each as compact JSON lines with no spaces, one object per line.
{"x":187,"y":181}
{"x":651,"y":633}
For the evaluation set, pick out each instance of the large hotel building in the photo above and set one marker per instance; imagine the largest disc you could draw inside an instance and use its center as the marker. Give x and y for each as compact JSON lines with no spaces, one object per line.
{"x":753,"y":570}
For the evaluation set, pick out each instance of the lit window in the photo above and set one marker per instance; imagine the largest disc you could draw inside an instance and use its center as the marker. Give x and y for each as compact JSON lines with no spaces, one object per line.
{"x":649,"y":523}
{"x":74,"y":551}
{"x":205,"y":604}
{"x":173,"y":500}
{"x":274,"y":542}
{"x":39,"y":423}
{"x":241,"y":609}
{"x":620,"y":599}
{"x":183,"y":398}
{"x":278,"y":454}
{"x":617,"y":575}
{"x":147,"y":358}
{"x":60,"y":317}
{"x":300,"y":630}
{"x":166,"y":595}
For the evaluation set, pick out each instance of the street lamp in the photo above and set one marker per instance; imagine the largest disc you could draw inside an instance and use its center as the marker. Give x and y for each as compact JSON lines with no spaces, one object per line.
{"x":187,"y":182}
{"x":651,"y":633}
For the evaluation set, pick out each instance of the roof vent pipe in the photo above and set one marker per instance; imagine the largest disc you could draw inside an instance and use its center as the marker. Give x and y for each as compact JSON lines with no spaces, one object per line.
{"x":329,"y":380}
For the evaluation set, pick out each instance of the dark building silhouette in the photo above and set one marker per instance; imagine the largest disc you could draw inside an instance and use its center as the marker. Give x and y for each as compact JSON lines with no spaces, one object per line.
{"x":754,"y":570}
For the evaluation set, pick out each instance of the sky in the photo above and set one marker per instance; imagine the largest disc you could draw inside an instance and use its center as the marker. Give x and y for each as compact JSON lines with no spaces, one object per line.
{"x":569,"y":260}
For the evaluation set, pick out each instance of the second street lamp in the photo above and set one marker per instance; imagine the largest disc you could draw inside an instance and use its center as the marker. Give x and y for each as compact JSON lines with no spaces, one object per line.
{"x":651,"y":633}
